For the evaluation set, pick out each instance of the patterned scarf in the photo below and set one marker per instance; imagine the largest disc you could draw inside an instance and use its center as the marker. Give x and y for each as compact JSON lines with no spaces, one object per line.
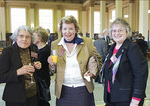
{"x":115,"y":68}
{"x":76,"y":40}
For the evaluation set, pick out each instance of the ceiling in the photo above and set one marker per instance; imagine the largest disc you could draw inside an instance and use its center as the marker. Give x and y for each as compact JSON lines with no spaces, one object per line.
{"x":97,"y":2}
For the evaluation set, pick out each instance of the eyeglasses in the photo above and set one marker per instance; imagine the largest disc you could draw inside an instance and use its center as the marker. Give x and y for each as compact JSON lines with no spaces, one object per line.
{"x":22,"y":36}
{"x":119,"y":31}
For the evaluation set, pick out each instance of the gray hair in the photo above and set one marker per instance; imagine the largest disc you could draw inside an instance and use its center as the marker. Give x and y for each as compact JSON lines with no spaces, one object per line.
{"x":105,"y":30}
{"x":101,"y":35}
{"x":122,"y":22}
{"x":15,"y":34}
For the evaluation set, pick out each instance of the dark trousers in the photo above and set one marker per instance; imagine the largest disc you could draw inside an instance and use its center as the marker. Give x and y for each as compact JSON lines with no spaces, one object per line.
{"x":32,"y":101}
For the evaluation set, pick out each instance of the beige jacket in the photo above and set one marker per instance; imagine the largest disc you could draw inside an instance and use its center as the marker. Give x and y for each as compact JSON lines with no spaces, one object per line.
{"x":84,"y":52}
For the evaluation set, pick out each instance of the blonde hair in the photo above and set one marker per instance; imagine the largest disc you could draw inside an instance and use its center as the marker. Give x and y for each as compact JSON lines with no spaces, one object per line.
{"x":41,"y":33}
{"x":68,"y":20}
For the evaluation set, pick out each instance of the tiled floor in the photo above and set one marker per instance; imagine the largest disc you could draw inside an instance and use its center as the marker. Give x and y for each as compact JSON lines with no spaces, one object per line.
{"x":98,"y":93}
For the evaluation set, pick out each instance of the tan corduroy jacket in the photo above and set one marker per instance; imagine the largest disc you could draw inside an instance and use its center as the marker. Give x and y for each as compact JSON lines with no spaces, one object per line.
{"x":84,"y":52}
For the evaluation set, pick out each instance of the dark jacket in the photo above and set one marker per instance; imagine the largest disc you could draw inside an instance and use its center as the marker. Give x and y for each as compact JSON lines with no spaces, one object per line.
{"x":143,"y":45}
{"x":131,"y":77}
{"x":10,"y":61}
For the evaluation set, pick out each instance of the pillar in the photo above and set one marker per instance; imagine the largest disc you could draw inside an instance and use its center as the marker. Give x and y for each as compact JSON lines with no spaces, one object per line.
{"x":118,"y":8}
{"x":91,"y":19}
{"x":84,"y":21}
{"x":32,"y":6}
{"x":143,"y":17}
{"x":58,"y":19}
{"x":2,"y":21}
{"x":102,"y":15}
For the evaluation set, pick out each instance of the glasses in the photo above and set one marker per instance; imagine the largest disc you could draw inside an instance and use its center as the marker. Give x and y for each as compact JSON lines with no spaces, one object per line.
{"x":119,"y":31}
{"x":22,"y":36}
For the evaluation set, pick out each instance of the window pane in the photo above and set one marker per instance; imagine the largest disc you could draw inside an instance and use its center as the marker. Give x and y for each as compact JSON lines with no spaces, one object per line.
{"x":96,"y":22}
{"x":72,"y":12}
{"x":113,"y":15}
{"x":18,"y":18}
{"x":46,"y":19}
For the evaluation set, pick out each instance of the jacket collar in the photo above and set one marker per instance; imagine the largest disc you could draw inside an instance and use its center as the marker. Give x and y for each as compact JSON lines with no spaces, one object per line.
{"x":61,"y":43}
{"x":123,"y":48}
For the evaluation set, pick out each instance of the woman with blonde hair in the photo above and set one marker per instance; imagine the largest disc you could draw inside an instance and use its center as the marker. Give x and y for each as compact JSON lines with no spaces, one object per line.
{"x":40,"y":38}
{"x":74,"y":81}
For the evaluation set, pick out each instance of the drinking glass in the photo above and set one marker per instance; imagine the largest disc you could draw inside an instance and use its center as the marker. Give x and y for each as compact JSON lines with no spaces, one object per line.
{"x":31,"y":75}
{"x":54,"y":56}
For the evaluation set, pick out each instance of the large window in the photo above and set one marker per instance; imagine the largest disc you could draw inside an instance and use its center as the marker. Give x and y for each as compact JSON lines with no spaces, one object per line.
{"x":113,"y":16}
{"x":46,"y":19}
{"x":18,"y":18}
{"x":96,"y":22}
{"x":72,"y":12}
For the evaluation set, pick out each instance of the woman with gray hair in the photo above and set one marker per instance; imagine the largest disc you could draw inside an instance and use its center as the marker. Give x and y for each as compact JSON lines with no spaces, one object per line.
{"x":18,"y":70}
{"x":125,"y":69}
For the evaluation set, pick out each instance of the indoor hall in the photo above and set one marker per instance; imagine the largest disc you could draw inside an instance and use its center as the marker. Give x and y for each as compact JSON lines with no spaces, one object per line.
{"x":98,"y":92}
{"x":93,"y":16}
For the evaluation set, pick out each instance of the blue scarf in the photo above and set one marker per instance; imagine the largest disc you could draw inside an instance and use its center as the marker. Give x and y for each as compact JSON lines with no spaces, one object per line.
{"x":76,"y":40}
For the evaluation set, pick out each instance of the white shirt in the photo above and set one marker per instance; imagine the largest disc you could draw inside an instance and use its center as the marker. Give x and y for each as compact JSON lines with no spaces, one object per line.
{"x":72,"y":75}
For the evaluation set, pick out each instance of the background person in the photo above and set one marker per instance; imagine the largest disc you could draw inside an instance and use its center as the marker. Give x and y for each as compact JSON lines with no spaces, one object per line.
{"x":40,"y":39}
{"x":16,"y":72}
{"x":142,"y":44}
{"x":101,"y":47}
{"x":74,"y":52}
{"x":125,"y":69}
{"x":50,"y":38}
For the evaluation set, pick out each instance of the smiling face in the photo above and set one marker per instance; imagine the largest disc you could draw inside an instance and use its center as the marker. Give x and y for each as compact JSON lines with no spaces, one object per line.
{"x":119,"y":33}
{"x":23,"y":39}
{"x":68,"y":31}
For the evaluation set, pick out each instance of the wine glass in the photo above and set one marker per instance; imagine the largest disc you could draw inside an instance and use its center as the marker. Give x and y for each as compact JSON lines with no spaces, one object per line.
{"x":54,"y":56}
{"x":31,"y":75}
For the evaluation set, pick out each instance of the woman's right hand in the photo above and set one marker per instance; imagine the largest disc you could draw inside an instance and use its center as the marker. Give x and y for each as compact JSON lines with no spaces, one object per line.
{"x":26,"y":69}
{"x":49,"y":60}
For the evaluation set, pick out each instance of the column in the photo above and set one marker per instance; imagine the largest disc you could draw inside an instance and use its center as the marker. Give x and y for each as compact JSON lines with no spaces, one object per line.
{"x":58,"y":19}
{"x":2,"y":21}
{"x":32,"y":6}
{"x":130,"y":14}
{"x":102,"y":15}
{"x":84,"y":21}
{"x":118,"y":8}
{"x":143,"y":17}
{"x":91,"y":19}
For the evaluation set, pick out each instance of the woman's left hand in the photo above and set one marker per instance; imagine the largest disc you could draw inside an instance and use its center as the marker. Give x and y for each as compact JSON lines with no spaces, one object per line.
{"x":37,"y":65}
{"x":89,"y":74}
{"x":134,"y":102}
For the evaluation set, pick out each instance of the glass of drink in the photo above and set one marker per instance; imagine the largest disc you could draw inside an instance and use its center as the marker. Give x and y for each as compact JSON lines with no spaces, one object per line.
{"x":54,"y":56}
{"x":31,"y":75}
